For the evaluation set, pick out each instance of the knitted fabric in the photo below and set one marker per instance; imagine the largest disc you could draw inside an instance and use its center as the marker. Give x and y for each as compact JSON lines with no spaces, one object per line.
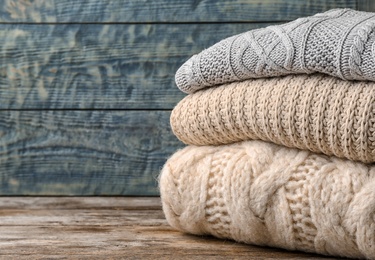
{"x":339,"y":42}
{"x":313,"y":112}
{"x":263,"y":194}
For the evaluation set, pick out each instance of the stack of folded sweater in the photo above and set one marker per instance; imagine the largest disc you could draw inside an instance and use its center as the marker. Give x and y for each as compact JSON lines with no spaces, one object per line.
{"x":280,"y":127}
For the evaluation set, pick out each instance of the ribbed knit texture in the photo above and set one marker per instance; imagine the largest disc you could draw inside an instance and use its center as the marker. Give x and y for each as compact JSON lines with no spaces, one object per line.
{"x":339,"y":42}
{"x":317,"y":112}
{"x":260,"y":193}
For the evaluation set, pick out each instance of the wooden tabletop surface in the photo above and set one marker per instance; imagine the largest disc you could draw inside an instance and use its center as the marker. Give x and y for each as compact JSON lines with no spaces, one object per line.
{"x":109,"y":228}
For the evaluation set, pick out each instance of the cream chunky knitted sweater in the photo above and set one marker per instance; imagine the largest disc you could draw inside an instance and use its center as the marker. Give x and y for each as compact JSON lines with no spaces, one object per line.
{"x":317,"y":112}
{"x":260,"y":193}
{"x":339,"y":42}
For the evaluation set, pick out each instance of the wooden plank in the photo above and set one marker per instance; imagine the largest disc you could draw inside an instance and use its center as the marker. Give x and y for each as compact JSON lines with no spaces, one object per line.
{"x":83,"y":152}
{"x":366,"y":5}
{"x":67,"y":203}
{"x":91,"y":66}
{"x":81,"y":217}
{"x":144,"y":11}
{"x":54,"y":230}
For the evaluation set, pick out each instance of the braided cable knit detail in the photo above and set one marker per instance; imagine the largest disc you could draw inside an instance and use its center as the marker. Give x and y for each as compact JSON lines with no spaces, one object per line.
{"x":332,"y":43}
{"x":263,"y":54}
{"x":260,"y":193}
{"x":356,"y":50}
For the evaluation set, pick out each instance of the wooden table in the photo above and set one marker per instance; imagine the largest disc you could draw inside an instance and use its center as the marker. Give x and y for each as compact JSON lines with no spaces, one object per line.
{"x":109,"y":228}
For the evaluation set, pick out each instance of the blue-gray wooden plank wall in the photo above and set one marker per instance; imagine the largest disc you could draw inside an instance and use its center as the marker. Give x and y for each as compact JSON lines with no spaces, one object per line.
{"x":87,"y":86}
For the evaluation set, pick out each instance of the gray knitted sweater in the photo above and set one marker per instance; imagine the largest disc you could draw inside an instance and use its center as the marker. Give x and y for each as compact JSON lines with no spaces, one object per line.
{"x":339,"y":42}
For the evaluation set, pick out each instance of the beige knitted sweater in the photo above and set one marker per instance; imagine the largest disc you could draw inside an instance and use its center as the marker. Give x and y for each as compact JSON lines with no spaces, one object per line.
{"x":260,"y":193}
{"x":317,"y":112}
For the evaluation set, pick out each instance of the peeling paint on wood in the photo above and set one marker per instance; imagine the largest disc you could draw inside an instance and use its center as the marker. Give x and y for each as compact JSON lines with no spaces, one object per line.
{"x":83,"y":152}
{"x":146,"y":11}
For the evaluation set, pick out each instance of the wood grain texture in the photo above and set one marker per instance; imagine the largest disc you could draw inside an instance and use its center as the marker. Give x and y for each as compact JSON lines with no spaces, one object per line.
{"x":366,"y":5}
{"x":70,"y":71}
{"x":82,"y":202}
{"x":74,"y":228}
{"x":83,"y":152}
{"x":145,"y":11}
{"x":91,"y":66}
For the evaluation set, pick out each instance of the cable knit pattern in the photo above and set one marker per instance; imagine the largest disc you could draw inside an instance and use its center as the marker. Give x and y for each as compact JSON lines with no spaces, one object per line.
{"x":314,"y":112}
{"x":339,"y":42}
{"x":264,"y":194}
